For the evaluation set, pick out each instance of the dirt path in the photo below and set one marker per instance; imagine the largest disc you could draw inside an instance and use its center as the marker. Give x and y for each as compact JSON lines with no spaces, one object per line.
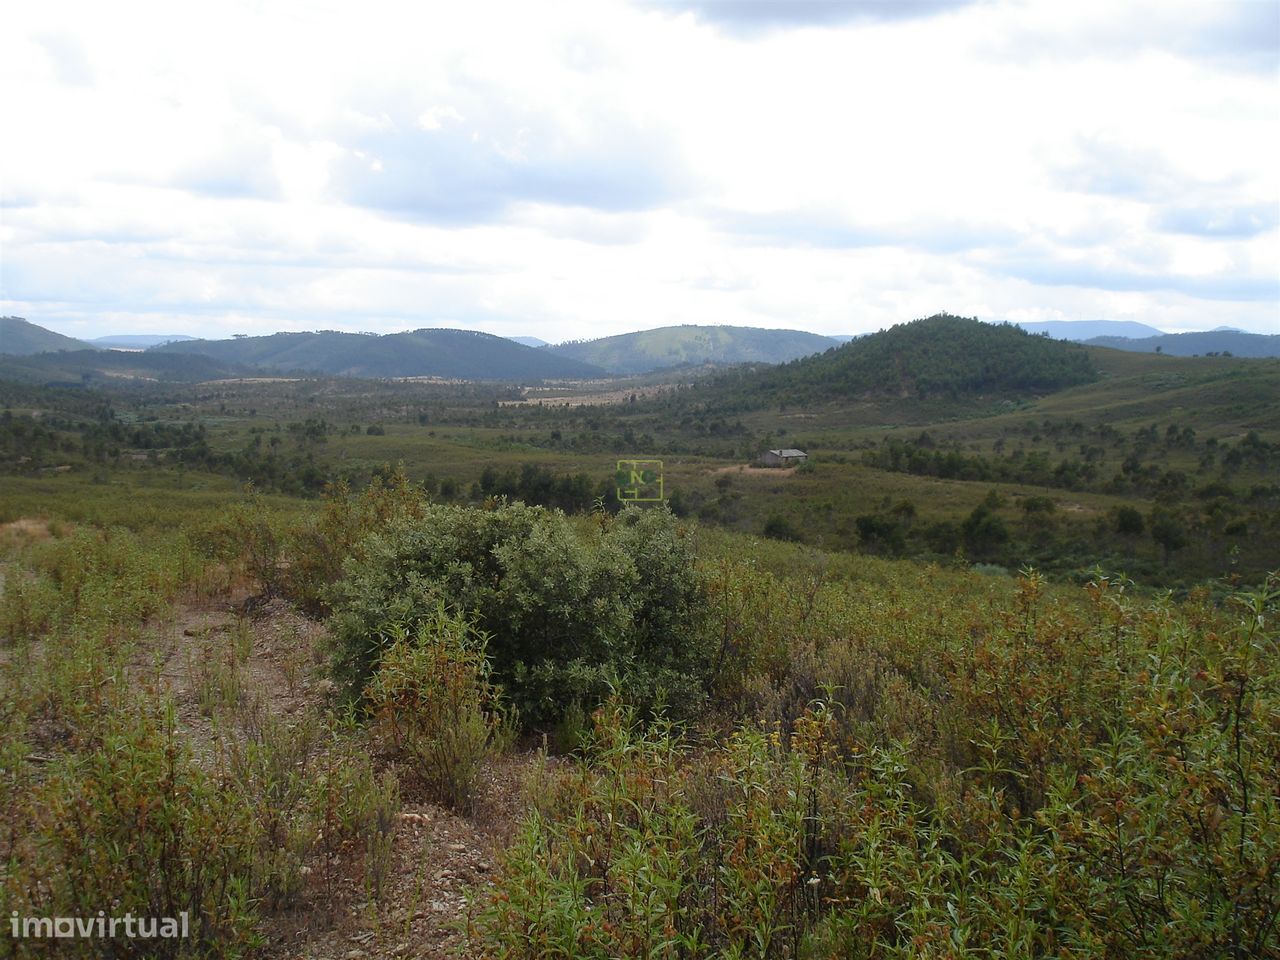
{"x":275,"y":658}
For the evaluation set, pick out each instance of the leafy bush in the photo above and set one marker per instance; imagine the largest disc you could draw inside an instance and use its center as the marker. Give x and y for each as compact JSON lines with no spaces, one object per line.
{"x":432,"y":696}
{"x":566,"y":614}
{"x":778,"y":527}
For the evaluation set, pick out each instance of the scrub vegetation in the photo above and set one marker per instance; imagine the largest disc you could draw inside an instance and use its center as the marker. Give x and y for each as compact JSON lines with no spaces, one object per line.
{"x":354,"y":667}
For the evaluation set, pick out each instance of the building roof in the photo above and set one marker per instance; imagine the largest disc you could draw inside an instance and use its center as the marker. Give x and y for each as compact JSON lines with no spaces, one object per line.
{"x":789,"y":453}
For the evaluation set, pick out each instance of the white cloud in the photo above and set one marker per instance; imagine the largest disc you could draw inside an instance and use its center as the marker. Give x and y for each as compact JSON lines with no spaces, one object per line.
{"x":578,"y":169}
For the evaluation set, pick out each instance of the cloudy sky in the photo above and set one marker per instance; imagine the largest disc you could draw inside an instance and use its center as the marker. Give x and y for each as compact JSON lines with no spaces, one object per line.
{"x":570,"y":170}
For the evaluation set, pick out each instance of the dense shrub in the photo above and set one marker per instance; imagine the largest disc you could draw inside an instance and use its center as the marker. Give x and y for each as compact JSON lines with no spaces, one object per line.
{"x":567,"y":614}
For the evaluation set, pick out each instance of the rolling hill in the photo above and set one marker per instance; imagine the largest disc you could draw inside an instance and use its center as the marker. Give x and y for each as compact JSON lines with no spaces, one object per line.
{"x":648,"y":350}
{"x":1235,"y":342}
{"x":460,"y":354}
{"x":938,"y":358}
{"x":21,"y":338}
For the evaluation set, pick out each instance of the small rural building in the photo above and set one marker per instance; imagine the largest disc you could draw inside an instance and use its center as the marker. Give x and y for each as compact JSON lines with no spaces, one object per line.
{"x":783,"y":458}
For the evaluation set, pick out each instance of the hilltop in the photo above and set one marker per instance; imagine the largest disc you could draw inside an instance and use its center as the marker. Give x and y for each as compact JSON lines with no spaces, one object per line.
{"x":21,"y":338}
{"x":461,"y":354}
{"x":648,"y":350}
{"x":942,"y":357}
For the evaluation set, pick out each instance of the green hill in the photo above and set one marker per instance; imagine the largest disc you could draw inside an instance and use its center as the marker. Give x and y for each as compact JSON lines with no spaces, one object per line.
{"x":461,"y":354}
{"x":94,"y":367}
{"x":939,"y":358}
{"x":21,"y":338}
{"x":647,"y":350}
{"x":1237,"y":343}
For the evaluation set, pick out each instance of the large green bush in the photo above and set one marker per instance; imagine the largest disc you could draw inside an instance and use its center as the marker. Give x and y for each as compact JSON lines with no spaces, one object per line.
{"x":568,"y":613}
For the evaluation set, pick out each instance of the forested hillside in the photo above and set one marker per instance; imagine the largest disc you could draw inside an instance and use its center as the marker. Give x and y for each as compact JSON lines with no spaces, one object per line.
{"x":938,"y":358}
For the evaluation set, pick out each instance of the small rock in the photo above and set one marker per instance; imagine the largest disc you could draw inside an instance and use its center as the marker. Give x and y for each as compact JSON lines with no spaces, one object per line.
{"x":458,"y":847}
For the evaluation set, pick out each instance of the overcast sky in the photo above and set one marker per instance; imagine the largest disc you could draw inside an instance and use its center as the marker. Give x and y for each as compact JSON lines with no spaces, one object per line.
{"x":572,"y":170}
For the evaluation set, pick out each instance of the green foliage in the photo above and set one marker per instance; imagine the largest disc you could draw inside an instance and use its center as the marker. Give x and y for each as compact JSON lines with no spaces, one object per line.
{"x":1167,"y":530}
{"x":983,"y":532}
{"x":1093,"y":780}
{"x":566,"y":614}
{"x":432,"y":697}
{"x":778,"y":527}
{"x":137,"y":826}
{"x":1129,"y":522}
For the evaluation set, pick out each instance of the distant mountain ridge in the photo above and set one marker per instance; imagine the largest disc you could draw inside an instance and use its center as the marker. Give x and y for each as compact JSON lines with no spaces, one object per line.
{"x":429,"y":352}
{"x":647,"y":350}
{"x":137,"y":341}
{"x":1081,"y":330}
{"x":21,"y":338}
{"x":1235,"y":342}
